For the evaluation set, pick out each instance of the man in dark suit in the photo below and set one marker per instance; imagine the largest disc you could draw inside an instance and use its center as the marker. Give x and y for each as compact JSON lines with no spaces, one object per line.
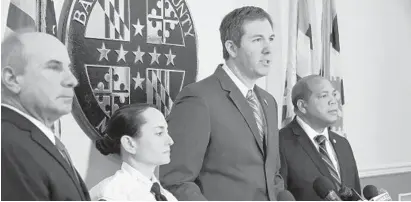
{"x":225,"y":127}
{"x":37,"y":89}
{"x":308,"y":149}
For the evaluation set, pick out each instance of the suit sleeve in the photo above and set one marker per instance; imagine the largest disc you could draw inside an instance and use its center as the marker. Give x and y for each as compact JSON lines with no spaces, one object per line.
{"x":357,"y":185}
{"x":278,"y":179}
{"x":284,"y":167}
{"x":21,"y":177}
{"x":189,"y":126}
{"x":357,"y":181}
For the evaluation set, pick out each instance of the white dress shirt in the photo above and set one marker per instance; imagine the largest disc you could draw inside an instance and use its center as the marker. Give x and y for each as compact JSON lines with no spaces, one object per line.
{"x":243,"y":88}
{"x":127,"y":184}
{"x":312,"y":133}
{"x":43,"y":128}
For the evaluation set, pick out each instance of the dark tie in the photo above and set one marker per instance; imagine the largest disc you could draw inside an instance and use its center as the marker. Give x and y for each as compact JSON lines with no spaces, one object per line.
{"x":257,"y":112}
{"x":155,"y":190}
{"x":63,"y":151}
{"x":321,"y":140}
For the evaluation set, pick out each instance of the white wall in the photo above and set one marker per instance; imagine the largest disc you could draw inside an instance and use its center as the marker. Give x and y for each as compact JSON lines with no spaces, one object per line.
{"x":376,"y":51}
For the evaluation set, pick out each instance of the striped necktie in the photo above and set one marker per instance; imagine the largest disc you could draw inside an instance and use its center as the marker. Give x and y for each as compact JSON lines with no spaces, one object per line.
{"x":257,"y":112}
{"x":321,"y":140}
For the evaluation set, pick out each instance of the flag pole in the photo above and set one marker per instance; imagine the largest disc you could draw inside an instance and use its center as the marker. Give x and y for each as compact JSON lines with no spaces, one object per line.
{"x":325,"y":35}
{"x":291,"y":71}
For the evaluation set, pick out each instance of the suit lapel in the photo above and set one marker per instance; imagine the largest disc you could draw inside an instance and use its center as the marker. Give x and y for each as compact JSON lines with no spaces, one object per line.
{"x":339,"y":151}
{"x":271,"y":122}
{"x":240,"y":102}
{"x":84,"y":188}
{"x":42,"y":140}
{"x":309,"y":148}
{"x":264,"y":105}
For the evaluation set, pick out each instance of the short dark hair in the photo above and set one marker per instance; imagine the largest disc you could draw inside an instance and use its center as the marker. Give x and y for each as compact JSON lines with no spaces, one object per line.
{"x":231,"y":27}
{"x":302,"y":90}
{"x":13,"y":53}
{"x":125,"y":121}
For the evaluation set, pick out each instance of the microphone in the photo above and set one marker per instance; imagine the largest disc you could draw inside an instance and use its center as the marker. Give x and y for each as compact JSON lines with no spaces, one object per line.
{"x":349,"y":194}
{"x":371,"y":193}
{"x":324,"y":189}
{"x":285,"y":195}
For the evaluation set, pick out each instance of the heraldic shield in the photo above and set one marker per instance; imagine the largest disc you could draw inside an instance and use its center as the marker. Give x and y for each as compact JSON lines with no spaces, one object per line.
{"x":127,"y":51}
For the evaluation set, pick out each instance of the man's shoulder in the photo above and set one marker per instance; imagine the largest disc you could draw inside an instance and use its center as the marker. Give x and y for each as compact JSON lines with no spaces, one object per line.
{"x":290,"y":126}
{"x":16,"y":136}
{"x":17,"y":144}
{"x":12,"y":132}
{"x":266,"y":95}
{"x":287,"y":132}
{"x":203,"y":87}
{"x":263,"y":92}
{"x":338,"y":137}
{"x":12,"y":120}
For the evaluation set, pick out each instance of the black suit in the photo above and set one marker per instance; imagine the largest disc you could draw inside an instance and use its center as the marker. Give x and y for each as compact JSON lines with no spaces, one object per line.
{"x":31,"y":166}
{"x":301,"y":162}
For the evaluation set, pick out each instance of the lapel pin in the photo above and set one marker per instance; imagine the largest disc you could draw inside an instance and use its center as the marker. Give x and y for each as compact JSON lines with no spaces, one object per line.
{"x":334,"y":141}
{"x":265,"y":101}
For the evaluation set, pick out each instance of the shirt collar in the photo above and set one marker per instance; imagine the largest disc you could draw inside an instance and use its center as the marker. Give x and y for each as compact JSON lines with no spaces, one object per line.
{"x":243,"y":88}
{"x":310,"y":131}
{"x":43,"y":128}
{"x":138,"y":175}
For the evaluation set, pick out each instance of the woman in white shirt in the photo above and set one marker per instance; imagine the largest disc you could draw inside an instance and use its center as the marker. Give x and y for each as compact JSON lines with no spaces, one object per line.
{"x":138,"y":133}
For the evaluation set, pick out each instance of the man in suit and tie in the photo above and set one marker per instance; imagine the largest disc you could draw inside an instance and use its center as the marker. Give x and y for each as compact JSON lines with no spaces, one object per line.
{"x":308,"y":148}
{"x":225,"y":127}
{"x":36,"y":90}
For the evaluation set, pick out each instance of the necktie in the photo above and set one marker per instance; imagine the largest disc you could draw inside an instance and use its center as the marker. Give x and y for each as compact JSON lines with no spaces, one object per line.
{"x":257,"y":112}
{"x":63,"y":151}
{"x":321,"y":140}
{"x":155,"y":190}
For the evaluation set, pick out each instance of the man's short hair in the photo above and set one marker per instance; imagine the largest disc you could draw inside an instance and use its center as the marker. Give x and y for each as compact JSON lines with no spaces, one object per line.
{"x":231,"y":27}
{"x":12,"y":53}
{"x":301,"y":90}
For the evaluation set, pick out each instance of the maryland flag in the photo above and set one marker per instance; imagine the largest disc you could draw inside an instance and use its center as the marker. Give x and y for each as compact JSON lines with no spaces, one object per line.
{"x":300,"y":53}
{"x":38,"y":15}
{"x":330,"y":67}
{"x":20,"y":15}
{"x":35,"y":15}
